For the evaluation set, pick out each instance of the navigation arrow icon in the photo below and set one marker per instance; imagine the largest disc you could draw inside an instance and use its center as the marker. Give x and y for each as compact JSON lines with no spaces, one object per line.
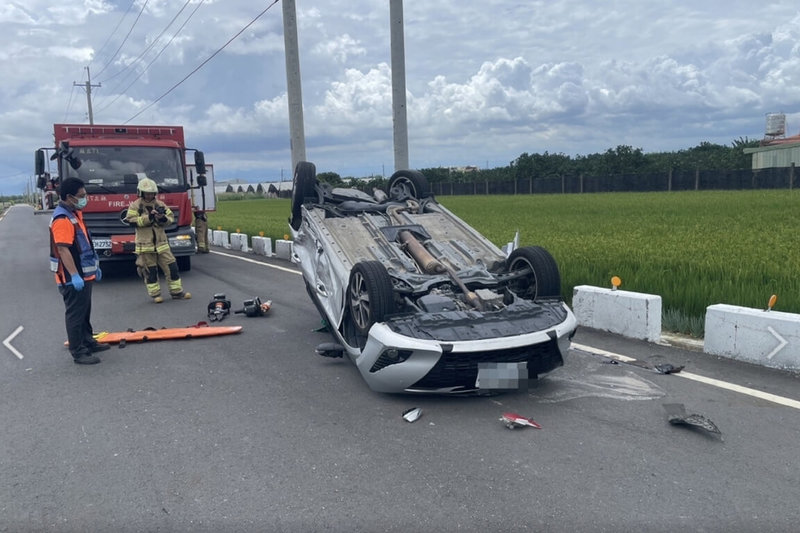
{"x":7,"y":342}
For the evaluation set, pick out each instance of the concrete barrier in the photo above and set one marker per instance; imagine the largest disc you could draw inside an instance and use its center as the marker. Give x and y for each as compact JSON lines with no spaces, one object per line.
{"x":283,"y":249}
{"x":767,"y":338}
{"x":220,"y":238}
{"x":262,"y":246}
{"x":239,"y":242}
{"x":631,"y":314}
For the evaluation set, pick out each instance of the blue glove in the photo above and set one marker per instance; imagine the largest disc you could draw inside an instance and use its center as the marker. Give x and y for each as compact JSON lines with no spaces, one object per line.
{"x":98,"y":275}
{"x":77,"y":282}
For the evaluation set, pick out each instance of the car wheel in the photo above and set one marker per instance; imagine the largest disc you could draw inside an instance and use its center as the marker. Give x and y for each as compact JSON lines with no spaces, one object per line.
{"x":408,"y":184}
{"x":370,"y":295}
{"x":184,"y":263}
{"x":543,"y":281}
{"x":303,"y":185}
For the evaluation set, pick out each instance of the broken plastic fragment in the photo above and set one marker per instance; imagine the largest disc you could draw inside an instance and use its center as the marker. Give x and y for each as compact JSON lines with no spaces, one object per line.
{"x":513,"y":420}
{"x":667,"y":368}
{"x":412,"y":415}
{"x":676,"y":414}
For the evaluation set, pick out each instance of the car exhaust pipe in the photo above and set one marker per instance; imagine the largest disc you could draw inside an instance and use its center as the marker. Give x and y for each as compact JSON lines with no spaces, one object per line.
{"x":428,"y":263}
{"x":431,"y":265}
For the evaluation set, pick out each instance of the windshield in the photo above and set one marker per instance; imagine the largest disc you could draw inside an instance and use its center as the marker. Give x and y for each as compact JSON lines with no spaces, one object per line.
{"x":121,"y":167}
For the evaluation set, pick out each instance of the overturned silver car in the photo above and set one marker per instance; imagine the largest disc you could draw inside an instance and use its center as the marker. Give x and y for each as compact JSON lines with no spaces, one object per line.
{"x":419,"y":300}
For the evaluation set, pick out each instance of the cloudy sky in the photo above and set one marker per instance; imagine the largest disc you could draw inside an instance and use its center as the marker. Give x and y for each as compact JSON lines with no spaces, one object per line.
{"x":486,"y":80}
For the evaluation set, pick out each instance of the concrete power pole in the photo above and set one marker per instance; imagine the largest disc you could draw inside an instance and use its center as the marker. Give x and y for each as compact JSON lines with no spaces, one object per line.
{"x":88,"y":85}
{"x":294,"y":91}
{"x":399,"y":116}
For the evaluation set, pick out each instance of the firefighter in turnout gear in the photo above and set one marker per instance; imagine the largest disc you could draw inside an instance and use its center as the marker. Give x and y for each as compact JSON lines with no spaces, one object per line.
{"x":150,"y":216}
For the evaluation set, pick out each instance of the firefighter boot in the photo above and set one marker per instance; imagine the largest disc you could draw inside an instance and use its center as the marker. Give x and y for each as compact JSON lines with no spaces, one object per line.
{"x":174,"y":283}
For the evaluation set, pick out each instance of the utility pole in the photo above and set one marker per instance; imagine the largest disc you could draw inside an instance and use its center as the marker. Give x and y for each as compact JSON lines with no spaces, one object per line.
{"x":88,"y":86}
{"x":398,"y":54}
{"x":294,"y":93}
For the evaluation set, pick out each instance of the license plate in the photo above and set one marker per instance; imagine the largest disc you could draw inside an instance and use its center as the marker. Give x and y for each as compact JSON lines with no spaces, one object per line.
{"x":101,"y":244}
{"x":502,"y":376}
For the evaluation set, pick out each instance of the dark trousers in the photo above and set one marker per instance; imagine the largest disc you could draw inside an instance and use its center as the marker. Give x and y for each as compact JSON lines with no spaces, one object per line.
{"x":78,"y":312}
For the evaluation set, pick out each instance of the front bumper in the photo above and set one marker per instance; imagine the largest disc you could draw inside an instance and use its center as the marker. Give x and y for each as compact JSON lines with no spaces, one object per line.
{"x":391,"y":362}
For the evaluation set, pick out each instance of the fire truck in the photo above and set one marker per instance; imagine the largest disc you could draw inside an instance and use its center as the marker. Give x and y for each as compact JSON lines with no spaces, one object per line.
{"x":110,"y":160}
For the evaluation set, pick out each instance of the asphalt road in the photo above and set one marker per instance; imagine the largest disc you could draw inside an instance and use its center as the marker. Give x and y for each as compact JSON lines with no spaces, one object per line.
{"x":254,"y":432}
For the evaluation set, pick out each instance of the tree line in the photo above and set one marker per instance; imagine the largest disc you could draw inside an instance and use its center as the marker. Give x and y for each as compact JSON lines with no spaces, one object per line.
{"x":620,"y":160}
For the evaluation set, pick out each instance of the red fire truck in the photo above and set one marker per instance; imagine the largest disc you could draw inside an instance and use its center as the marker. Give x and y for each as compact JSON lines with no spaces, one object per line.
{"x":111,"y":160}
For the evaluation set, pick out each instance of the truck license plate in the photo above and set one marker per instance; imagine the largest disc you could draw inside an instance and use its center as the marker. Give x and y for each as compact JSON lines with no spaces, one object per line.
{"x":101,"y":244}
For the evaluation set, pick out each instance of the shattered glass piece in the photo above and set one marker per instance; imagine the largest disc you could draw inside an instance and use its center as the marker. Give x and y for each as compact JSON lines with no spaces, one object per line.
{"x":412,"y":415}
{"x":676,"y":415}
{"x":513,"y":420}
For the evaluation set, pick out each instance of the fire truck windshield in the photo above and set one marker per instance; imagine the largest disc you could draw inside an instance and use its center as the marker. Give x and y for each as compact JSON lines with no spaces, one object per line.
{"x":119,"y":168}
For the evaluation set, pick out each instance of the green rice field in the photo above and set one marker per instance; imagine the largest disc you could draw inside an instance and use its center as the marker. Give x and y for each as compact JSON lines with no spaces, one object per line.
{"x":694,"y":248}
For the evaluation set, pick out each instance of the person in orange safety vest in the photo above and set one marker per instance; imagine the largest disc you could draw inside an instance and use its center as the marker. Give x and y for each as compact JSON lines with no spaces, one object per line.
{"x":76,"y":267}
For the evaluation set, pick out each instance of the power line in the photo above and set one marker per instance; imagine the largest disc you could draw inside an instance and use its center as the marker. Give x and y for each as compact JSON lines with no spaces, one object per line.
{"x":121,"y":93}
{"x":69,"y":102}
{"x":114,"y":31}
{"x":130,"y":65}
{"x":201,"y":65}
{"x":125,"y":39}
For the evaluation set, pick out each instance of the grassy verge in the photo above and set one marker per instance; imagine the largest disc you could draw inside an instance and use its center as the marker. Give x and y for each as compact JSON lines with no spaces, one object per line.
{"x":692,"y":248}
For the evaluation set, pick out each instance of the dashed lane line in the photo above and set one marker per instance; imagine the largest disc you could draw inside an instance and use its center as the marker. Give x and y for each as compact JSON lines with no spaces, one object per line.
{"x":781,"y":400}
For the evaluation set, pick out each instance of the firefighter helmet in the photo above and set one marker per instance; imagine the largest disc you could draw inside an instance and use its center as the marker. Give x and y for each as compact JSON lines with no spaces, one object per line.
{"x":146,"y":185}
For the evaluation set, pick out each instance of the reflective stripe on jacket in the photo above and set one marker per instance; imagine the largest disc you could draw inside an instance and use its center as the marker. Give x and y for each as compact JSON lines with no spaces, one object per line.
{"x":150,"y":236}
{"x":82,"y":251}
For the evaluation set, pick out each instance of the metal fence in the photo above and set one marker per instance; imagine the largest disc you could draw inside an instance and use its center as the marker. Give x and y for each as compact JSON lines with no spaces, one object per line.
{"x":676,"y":180}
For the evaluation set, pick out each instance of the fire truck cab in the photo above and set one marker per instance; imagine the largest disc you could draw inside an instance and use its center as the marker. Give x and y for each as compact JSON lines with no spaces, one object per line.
{"x":111,"y":160}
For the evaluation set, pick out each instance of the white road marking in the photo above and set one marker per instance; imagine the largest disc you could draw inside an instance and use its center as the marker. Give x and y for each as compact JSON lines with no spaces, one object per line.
{"x":781,"y":400}
{"x":276,"y":267}
{"x":7,"y":342}
{"x":783,"y":342}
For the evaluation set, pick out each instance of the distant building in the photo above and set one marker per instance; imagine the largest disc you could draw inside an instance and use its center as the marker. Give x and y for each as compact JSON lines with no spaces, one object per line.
{"x":782,"y":152}
{"x":267,"y":188}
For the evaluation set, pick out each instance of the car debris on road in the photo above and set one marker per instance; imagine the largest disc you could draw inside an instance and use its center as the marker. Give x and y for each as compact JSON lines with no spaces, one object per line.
{"x":513,"y":421}
{"x":677,"y":415}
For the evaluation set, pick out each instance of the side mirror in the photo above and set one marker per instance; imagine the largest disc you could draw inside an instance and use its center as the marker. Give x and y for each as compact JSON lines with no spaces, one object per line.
{"x":41,"y":181}
{"x":201,"y":180}
{"x":39,"y":162}
{"x":199,"y":162}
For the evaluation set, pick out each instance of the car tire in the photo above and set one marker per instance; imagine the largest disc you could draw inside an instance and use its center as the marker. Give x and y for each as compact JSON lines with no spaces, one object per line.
{"x":303,"y":186}
{"x":370,"y":295}
{"x":184,"y":263}
{"x":544,"y":280}
{"x":408,"y":184}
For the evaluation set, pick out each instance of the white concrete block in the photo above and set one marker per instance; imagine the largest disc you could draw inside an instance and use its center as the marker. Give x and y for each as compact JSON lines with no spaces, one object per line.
{"x":631,"y":314}
{"x":221,"y":239}
{"x":768,"y":338}
{"x":262,"y":246}
{"x":239,"y":242}
{"x":283,"y":249}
